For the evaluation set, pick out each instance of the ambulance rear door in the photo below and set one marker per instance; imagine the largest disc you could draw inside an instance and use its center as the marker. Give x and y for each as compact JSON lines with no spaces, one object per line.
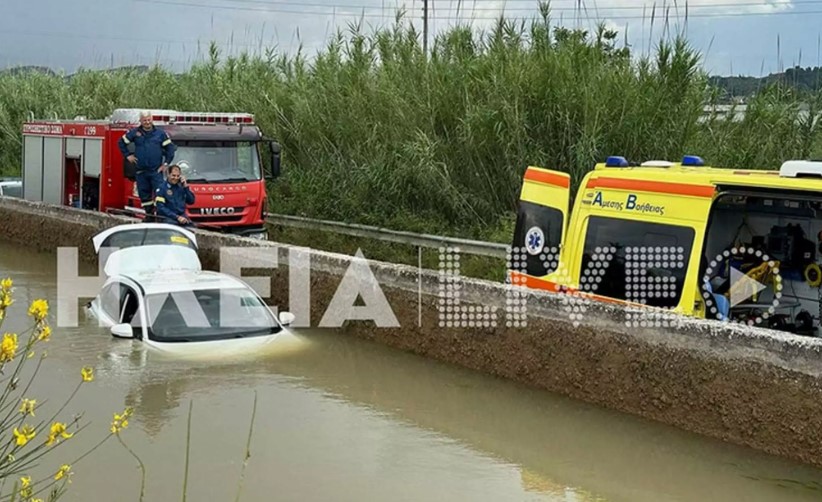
{"x":542,"y":221}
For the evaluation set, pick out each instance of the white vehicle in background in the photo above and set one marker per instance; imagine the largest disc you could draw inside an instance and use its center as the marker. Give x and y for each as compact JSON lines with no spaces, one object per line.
{"x":11,"y":187}
{"x":156,"y":292}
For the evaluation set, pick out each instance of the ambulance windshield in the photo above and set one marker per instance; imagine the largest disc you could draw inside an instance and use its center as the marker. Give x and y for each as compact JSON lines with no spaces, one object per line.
{"x":218,"y":161}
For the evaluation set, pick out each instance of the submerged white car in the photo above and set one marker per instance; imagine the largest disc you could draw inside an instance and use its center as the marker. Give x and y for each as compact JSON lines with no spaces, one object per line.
{"x":157,"y":292}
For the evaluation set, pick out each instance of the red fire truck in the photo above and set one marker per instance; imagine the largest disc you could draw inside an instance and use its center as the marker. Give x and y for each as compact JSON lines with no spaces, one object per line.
{"x":77,"y":163}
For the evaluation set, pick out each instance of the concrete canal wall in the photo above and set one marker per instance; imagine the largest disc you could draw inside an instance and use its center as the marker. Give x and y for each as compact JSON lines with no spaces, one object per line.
{"x":747,"y":386}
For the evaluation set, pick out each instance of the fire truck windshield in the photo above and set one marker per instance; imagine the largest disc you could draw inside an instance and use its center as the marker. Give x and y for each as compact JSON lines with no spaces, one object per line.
{"x":218,"y":161}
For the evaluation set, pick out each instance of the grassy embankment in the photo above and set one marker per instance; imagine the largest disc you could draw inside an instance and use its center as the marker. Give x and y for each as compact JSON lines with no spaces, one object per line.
{"x":374,"y":132}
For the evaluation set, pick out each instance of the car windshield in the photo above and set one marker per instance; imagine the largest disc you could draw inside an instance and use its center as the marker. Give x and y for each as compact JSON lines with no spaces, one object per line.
{"x":211,"y":314}
{"x":218,"y":161}
{"x":147,"y":237}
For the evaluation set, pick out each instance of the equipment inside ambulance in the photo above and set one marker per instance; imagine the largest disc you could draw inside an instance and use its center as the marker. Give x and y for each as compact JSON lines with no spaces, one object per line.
{"x":777,"y":228}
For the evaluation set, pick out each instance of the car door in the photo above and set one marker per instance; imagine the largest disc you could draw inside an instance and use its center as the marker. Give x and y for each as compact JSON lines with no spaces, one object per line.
{"x":119,"y":302}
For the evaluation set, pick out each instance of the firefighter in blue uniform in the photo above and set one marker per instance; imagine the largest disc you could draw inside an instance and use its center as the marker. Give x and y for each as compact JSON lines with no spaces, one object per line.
{"x":150,"y":149}
{"x":173,"y":197}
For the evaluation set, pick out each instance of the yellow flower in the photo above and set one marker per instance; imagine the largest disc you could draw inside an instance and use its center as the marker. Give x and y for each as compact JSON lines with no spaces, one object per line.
{"x":25,"y":487}
{"x":64,"y":470}
{"x":44,"y":333}
{"x":28,"y":406}
{"x":57,"y":429}
{"x":87,"y":373}
{"x":39,"y":309}
{"x":24,"y":435}
{"x":5,"y":295}
{"x":120,"y":422}
{"x":8,"y":347}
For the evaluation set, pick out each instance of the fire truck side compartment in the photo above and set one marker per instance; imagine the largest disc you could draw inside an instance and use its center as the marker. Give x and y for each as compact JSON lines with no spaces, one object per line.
{"x":74,"y":148}
{"x":93,"y":150}
{"x":53,"y":170}
{"x":47,"y":159}
{"x":33,"y":168}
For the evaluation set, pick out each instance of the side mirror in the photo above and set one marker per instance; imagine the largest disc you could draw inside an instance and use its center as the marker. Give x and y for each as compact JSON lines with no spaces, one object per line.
{"x":275,"y":149}
{"x":122,"y":331}
{"x":286,"y":318}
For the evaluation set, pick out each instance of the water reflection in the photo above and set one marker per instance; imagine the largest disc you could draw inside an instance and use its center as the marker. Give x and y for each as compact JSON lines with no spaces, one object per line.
{"x":341,"y":418}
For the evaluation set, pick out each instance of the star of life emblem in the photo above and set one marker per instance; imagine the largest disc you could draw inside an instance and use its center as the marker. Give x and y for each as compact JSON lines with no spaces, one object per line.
{"x":534,"y":240}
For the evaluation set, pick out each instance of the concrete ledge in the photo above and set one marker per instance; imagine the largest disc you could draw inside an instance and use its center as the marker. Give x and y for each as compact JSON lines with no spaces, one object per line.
{"x":751,"y":387}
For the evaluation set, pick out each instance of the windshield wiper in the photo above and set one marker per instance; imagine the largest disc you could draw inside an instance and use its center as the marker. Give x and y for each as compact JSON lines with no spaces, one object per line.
{"x":230,"y":180}
{"x":219,"y":180}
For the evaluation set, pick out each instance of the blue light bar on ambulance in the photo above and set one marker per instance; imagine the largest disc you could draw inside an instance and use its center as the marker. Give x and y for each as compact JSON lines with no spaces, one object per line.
{"x":616,"y":161}
{"x":692,"y":160}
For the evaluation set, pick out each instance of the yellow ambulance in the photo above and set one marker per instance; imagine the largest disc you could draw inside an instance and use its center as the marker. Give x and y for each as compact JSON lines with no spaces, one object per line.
{"x":735,"y":245}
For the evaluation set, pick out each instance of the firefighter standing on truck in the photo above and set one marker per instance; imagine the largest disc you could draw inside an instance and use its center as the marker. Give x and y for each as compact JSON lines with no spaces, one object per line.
{"x":151,"y":150}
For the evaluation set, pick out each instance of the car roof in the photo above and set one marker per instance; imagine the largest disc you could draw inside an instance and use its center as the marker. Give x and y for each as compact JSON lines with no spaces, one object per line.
{"x":171,"y":281}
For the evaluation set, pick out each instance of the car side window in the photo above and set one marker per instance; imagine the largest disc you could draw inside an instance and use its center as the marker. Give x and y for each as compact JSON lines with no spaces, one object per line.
{"x":110,"y":301}
{"x":128,"y":304}
{"x":130,"y":309}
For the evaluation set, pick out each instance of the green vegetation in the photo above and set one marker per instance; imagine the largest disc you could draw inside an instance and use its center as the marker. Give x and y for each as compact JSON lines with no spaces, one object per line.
{"x":805,"y":79}
{"x":375,"y":132}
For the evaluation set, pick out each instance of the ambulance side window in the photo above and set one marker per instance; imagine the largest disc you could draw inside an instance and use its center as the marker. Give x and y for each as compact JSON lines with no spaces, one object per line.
{"x":648,"y":261}
{"x":540,"y":228}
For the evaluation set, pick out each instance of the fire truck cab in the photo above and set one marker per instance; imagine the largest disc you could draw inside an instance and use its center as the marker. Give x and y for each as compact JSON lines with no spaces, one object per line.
{"x":78,"y":163}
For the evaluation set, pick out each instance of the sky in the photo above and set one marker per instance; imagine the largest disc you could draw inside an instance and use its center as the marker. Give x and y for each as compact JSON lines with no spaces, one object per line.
{"x":734,"y":37}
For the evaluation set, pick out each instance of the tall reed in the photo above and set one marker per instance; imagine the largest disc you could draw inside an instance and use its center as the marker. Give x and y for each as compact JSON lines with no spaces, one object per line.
{"x":376,"y":131}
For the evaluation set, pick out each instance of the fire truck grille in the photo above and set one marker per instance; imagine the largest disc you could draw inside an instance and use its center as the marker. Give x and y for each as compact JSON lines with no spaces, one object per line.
{"x":216,"y":219}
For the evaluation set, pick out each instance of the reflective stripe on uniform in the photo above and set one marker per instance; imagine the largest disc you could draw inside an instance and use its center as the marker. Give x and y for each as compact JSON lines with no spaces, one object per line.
{"x":147,"y":202}
{"x":166,"y":142}
{"x":125,"y":139}
{"x":159,"y":199}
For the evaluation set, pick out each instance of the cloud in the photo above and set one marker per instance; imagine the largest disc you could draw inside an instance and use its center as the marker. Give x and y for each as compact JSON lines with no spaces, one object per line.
{"x":176,"y":32}
{"x":703,"y":8}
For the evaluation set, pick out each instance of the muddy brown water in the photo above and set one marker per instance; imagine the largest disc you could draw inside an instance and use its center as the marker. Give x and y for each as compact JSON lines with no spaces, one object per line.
{"x":340,"y":418}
